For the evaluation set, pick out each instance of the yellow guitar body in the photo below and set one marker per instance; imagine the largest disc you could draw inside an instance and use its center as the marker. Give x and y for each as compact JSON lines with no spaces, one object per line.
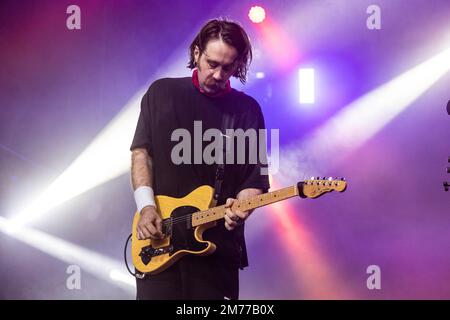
{"x":200,"y":199}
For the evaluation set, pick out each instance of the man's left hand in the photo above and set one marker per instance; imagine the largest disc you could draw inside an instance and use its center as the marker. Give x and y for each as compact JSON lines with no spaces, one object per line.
{"x":234,"y":218}
{"x":237,"y":217}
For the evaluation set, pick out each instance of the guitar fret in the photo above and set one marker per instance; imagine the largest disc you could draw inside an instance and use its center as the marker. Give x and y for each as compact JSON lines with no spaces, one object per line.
{"x":217,"y":213}
{"x":208,"y":215}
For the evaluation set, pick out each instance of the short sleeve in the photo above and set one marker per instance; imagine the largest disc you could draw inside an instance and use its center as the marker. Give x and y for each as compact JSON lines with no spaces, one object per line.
{"x":255,"y":175}
{"x":142,"y":135}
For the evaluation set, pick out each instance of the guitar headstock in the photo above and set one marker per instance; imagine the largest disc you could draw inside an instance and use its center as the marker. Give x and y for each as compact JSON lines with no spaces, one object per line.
{"x":315,"y":187}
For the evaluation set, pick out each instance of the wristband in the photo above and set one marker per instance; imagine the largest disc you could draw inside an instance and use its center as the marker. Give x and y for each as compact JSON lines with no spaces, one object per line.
{"x":143,"y":196}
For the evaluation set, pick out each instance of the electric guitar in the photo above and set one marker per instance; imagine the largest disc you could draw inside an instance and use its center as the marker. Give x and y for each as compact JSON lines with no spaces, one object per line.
{"x":185,"y":219}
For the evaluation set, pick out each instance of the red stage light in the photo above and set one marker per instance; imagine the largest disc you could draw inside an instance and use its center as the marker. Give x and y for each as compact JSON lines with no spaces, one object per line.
{"x":257,"y":14}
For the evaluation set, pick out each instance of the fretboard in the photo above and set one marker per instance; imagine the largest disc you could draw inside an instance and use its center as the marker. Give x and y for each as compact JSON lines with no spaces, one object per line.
{"x":261,"y":200}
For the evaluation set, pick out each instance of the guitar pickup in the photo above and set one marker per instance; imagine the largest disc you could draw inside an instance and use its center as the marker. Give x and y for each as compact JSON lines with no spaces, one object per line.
{"x":167,"y":227}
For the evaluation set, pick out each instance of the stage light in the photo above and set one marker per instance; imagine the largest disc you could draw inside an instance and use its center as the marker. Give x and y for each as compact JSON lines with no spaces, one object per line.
{"x":122,"y":277}
{"x":306,"y":85}
{"x":279,"y":47}
{"x":260,"y":75}
{"x":314,"y":278}
{"x":106,"y":158}
{"x":257,"y":14}
{"x":360,"y":120}
{"x":89,"y":261}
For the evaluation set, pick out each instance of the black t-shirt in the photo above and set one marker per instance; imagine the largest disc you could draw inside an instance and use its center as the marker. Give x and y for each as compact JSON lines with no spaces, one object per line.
{"x":175,"y":103}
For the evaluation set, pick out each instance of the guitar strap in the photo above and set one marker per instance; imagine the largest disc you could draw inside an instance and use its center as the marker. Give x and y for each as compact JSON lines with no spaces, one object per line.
{"x":227,"y":123}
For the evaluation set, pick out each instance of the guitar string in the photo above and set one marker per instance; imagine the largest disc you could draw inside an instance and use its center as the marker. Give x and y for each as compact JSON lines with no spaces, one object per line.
{"x":179,"y":219}
{"x":185,"y":218}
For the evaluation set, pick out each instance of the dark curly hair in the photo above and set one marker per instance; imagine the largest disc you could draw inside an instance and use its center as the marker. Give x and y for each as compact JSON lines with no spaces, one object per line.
{"x":232,"y":34}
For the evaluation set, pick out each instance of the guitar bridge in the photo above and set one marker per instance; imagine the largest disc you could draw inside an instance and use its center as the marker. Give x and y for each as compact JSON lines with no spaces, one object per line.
{"x":148,"y":252}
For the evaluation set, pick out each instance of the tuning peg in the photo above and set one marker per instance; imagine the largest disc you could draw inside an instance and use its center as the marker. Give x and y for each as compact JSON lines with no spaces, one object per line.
{"x":343,"y":179}
{"x":312,"y":178}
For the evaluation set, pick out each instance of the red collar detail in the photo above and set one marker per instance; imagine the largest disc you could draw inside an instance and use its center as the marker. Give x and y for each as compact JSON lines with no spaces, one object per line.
{"x":221,"y":93}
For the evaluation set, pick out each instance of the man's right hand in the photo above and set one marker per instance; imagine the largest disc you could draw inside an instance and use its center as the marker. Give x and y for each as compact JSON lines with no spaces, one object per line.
{"x":149,"y":224}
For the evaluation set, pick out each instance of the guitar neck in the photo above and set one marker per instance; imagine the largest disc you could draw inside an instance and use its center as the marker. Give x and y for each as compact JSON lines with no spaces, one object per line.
{"x":261,"y":200}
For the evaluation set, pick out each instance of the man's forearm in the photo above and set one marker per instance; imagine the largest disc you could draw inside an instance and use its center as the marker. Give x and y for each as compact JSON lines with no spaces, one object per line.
{"x":141,"y":168}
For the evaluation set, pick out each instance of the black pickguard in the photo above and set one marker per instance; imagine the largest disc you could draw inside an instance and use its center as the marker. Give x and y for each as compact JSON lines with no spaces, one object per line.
{"x":182,"y":236}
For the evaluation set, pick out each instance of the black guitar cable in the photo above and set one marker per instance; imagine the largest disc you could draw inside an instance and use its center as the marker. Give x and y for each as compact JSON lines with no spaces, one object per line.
{"x":134,"y":274}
